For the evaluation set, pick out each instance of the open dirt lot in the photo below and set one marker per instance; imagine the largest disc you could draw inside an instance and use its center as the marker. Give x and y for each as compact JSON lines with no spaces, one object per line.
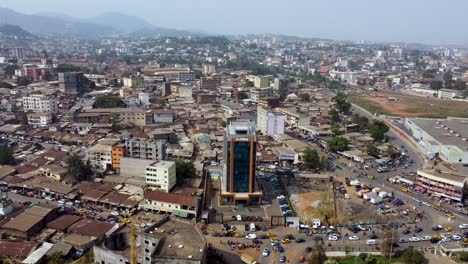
{"x":406,"y":105}
{"x":303,"y":203}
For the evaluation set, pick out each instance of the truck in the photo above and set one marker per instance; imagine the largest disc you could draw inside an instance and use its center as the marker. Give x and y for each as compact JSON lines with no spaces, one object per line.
{"x":376,"y":200}
{"x":369,"y":195}
{"x":383,"y":194}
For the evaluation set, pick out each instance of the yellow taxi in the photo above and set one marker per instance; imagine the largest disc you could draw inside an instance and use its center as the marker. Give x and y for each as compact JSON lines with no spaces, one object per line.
{"x":82,"y":211}
{"x":436,"y":237}
{"x":404,"y":189}
{"x":450,"y":216}
{"x":465,"y":240}
{"x":448,"y":229}
{"x":271,"y":235}
{"x":273,"y":239}
{"x":370,"y":177}
{"x":437,"y":204}
{"x":126,"y":221}
{"x":286,"y":241}
{"x":240,"y":235}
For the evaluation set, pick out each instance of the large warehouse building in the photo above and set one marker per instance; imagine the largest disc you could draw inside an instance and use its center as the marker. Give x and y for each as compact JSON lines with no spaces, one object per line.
{"x":448,"y":138}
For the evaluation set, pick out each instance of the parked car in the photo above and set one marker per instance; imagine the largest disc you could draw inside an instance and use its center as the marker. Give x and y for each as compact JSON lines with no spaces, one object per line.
{"x":266,"y":252}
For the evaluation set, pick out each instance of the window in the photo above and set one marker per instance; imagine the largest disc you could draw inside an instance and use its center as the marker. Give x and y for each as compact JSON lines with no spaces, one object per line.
{"x":146,"y":250}
{"x":146,"y":242}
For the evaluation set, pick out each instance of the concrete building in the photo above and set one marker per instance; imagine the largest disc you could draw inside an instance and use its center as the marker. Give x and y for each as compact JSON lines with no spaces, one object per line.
{"x":261,"y":82}
{"x":239,"y":182}
{"x":30,"y":222}
{"x":161,"y":174}
{"x":100,"y":155}
{"x":280,"y":83}
{"x":163,"y":116}
{"x":36,"y":119}
{"x":185,"y":91}
{"x":53,"y":171}
{"x":169,"y":74}
{"x":118,"y":152}
{"x":144,"y":98}
{"x":134,"y":82}
{"x":134,"y":116}
{"x":447,"y":138}
{"x":6,"y":206}
{"x":208,"y":69}
{"x":71,"y":82}
{"x":40,"y":104}
{"x":145,"y":149}
{"x":261,"y":93}
{"x":134,"y":168}
{"x":293,"y":118}
{"x":441,"y":185}
{"x":270,"y":123}
{"x":18,"y":53}
{"x":166,"y":241}
{"x":178,"y":204}
{"x":33,"y":72}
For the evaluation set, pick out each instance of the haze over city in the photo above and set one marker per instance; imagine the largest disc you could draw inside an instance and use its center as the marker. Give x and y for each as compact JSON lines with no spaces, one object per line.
{"x":429,"y":22}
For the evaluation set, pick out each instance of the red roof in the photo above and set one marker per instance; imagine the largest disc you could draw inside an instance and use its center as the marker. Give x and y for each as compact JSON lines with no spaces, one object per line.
{"x":162,"y":111}
{"x":25,"y":169}
{"x":55,"y":154}
{"x":173,"y":198}
{"x":16,"y":249}
{"x":323,"y":70}
{"x":90,"y":227}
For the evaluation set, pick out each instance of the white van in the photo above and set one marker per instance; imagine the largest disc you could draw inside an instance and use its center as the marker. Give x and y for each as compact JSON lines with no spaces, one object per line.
{"x":371,"y":242}
{"x":252,"y":227}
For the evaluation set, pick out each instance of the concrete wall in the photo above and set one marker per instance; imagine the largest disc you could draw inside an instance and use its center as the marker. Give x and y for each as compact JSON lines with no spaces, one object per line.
{"x":133,"y":167}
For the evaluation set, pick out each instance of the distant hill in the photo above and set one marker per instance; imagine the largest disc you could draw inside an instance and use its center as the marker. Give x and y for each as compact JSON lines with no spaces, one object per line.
{"x":38,"y":24}
{"x":12,"y":35}
{"x":106,"y":24}
{"x":13,"y":30}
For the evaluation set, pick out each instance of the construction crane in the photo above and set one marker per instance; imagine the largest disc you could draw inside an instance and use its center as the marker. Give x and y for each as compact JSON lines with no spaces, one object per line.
{"x":133,"y":251}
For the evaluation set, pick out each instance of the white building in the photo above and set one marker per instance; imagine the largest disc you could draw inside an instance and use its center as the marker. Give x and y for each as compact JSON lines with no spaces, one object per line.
{"x":447,"y":94}
{"x":161,"y":174}
{"x":208,"y":69}
{"x":448,"y":138}
{"x":270,"y":123}
{"x":40,"y":104}
{"x":144,"y":98}
{"x":39,"y":119}
{"x":348,"y":76}
{"x":185,"y":91}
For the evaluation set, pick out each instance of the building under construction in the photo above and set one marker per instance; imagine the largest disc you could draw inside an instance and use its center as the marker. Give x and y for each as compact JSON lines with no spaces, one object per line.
{"x":169,"y":240}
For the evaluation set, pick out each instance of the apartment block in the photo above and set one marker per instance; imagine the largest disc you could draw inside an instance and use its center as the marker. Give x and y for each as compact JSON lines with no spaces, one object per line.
{"x":145,"y":149}
{"x":40,"y":104}
{"x":441,"y":185}
{"x":161,"y":174}
{"x":270,"y":123}
{"x":39,"y":119}
{"x":134,"y":82}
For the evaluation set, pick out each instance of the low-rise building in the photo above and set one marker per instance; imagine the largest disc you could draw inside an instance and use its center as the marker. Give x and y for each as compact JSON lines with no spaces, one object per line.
{"x":36,"y":119}
{"x":53,"y":171}
{"x":40,"y":104}
{"x":441,"y":185}
{"x":161,"y":174}
{"x":100,"y":155}
{"x":183,"y":205}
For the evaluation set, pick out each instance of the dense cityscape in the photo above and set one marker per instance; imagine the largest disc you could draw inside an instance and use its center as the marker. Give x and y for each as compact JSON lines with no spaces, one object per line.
{"x":169,"y":146}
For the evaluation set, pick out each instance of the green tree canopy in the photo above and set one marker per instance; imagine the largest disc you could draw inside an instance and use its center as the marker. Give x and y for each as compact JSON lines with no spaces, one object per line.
{"x":24,"y":81}
{"x":413,"y":256}
{"x":334,"y":115}
{"x":318,"y":253}
{"x":372,"y":150}
{"x":436,"y":84}
{"x":114,"y":121}
{"x":304,"y":97}
{"x":342,"y":105}
{"x":242,"y":95}
{"x":6,"y":155}
{"x":311,"y":158}
{"x":338,"y":144}
{"x":109,"y":102}
{"x":184,"y":170}
{"x":80,"y":170}
{"x":378,"y":130}
{"x":6,"y":85}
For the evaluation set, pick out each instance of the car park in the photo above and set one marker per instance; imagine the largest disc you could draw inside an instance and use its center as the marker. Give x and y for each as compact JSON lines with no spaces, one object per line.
{"x":456,"y":237}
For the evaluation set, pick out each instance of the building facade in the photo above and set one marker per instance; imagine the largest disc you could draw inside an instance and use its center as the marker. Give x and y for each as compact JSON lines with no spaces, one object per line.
{"x":261,"y":82}
{"x":445,"y":138}
{"x":161,"y":174}
{"x":270,"y":123}
{"x":441,"y":185}
{"x":36,"y":119}
{"x":40,"y":104}
{"x":145,"y":149}
{"x":118,"y":152}
{"x":71,"y":82}
{"x":134,"y":82}
{"x":239,"y":182}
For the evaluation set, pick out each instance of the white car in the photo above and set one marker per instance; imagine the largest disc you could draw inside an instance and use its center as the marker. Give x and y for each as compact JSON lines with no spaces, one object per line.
{"x":425,"y":238}
{"x":251,"y":236}
{"x":414,"y":239}
{"x":48,"y":198}
{"x":456,"y":237}
{"x":69,"y":203}
{"x":463,"y":226}
{"x":115,"y":213}
{"x":61,"y":201}
{"x":280,"y":197}
{"x":332,"y":238}
{"x":266,"y":252}
{"x":14,"y":191}
{"x":353,"y":238}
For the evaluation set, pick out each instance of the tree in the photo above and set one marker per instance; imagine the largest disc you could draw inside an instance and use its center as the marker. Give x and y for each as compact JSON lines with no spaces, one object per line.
{"x":54,"y":258}
{"x":10,"y":69}
{"x":6,"y":85}
{"x":318,"y":253}
{"x":464,"y":257}
{"x":413,"y":256}
{"x":370,"y":259}
{"x":311,"y":158}
{"x":334,"y":115}
{"x":338,"y":144}
{"x":331,"y":261}
{"x":78,"y":169}
{"x":459,"y":85}
{"x":304,"y":97}
{"x":109,"y":102}
{"x":114,"y":121}
{"x":282,"y":93}
{"x":242,"y":95}
{"x":341,"y":104}
{"x":6,"y":155}
{"x":378,"y":130}
{"x":184,"y":170}
{"x":372,"y":150}
{"x":24,"y":118}
{"x":223,"y":123}
{"x":436,"y":85}
{"x":335,"y":129}
{"x":24,"y":81}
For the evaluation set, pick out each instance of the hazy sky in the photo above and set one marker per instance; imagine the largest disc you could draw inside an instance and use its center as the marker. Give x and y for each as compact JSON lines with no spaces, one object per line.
{"x":426,"y":21}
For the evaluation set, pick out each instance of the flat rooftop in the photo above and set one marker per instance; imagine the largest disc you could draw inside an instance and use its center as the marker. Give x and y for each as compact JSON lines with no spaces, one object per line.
{"x":449,"y":131}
